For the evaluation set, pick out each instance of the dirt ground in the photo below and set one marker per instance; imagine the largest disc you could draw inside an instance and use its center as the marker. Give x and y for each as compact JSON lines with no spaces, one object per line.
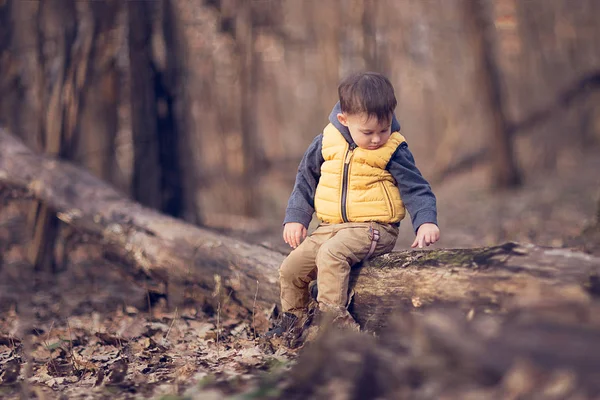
{"x":88,"y":333}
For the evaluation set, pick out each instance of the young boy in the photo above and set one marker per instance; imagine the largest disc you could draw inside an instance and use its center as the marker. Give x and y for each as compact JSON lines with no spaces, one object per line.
{"x":359,"y":177}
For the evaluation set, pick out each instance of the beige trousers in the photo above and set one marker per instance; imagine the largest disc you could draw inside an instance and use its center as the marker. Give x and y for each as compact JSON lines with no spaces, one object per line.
{"x":328,"y":254}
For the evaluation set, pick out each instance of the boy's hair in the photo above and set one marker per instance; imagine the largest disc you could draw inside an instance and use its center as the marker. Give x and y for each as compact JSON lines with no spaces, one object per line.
{"x":367,"y":92}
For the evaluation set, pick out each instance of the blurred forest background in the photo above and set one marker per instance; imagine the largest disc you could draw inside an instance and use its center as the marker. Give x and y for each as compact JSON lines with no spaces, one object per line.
{"x":203,"y":108}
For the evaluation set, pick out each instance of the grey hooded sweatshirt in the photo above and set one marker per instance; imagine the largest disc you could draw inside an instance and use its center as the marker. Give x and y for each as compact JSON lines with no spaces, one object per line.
{"x":415,"y":191}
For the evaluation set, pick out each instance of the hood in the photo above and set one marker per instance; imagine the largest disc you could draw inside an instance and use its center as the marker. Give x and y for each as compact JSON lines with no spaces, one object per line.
{"x":344,"y":130}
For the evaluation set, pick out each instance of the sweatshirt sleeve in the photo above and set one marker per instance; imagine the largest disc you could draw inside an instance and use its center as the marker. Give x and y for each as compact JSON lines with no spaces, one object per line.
{"x":301,"y":204}
{"x":414,"y":189}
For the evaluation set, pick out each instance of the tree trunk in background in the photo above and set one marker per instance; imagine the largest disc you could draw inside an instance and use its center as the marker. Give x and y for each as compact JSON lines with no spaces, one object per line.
{"x":7,"y":66}
{"x":59,"y":87}
{"x":63,"y":67}
{"x":181,"y":177}
{"x":146,"y":164}
{"x":99,"y":118}
{"x":373,"y":60}
{"x":170,"y":174}
{"x":157,"y":176}
{"x":504,"y":168}
{"x":22,"y":75}
{"x":244,"y":37}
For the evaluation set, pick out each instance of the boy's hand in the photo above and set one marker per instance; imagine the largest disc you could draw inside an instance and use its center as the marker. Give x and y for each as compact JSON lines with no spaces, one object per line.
{"x":294,"y":233}
{"x":426,"y":234}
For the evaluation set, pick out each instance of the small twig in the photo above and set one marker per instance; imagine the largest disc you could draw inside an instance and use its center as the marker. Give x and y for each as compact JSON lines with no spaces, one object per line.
{"x":217,"y":292}
{"x":25,"y":323}
{"x":45,"y":343}
{"x":218,"y":327}
{"x":219,"y":319}
{"x":71,"y":347}
{"x":172,"y":323}
{"x":48,"y":335}
{"x":253,"y":310}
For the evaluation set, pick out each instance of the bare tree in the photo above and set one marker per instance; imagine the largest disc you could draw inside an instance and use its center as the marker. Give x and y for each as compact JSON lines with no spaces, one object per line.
{"x":159,"y":112}
{"x":60,"y":91}
{"x":146,"y":168}
{"x":99,"y":110}
{"x":244,"y":37}
{"x":60,"y":88}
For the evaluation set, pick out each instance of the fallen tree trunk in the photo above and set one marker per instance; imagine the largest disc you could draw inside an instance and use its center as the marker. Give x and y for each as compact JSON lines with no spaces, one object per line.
{"x":493,"y":279}
{"x":165,"y":249}
{"x":439,"y":354}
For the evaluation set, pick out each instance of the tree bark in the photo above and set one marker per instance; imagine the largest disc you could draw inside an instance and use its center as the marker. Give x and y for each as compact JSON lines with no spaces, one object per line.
{"x":7,"y":65}
{"x":146,"y":153}
{"x":504,"y":167}
{"x":159,"y":179}
{"x":251,"y":149}
{"x":495,"y":279}
{"x":182,"y":175}
{"x":60,"y":79}
{"x":98,"y":125}
{"x":63,"y":70}
{"x":498,"y":279}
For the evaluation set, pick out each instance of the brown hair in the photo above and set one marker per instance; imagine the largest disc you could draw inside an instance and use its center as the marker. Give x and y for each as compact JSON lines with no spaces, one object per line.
{"x":368,"y":92}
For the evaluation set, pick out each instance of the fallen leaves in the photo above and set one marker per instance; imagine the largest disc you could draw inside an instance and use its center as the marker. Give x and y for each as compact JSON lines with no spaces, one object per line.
{"x":134,"y":352}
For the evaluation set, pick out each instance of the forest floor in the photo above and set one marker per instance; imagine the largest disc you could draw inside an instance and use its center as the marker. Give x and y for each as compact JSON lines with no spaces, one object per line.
{"x":86,"y":333}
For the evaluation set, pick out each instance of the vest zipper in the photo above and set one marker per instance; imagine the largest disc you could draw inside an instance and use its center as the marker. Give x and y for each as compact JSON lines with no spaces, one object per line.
{"x":388,"y":198}
{"x":347,"y":159}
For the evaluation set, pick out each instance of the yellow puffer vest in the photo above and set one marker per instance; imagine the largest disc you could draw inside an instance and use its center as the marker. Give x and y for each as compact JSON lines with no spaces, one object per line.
{"x":354,"y":185}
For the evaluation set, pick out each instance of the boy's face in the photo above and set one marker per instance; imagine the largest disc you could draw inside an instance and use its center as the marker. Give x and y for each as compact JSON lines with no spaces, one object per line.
{"x":366,"y":131}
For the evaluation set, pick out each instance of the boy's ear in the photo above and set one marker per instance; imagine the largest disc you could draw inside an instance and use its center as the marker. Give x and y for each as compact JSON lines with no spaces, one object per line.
{"x":342,"y":118}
